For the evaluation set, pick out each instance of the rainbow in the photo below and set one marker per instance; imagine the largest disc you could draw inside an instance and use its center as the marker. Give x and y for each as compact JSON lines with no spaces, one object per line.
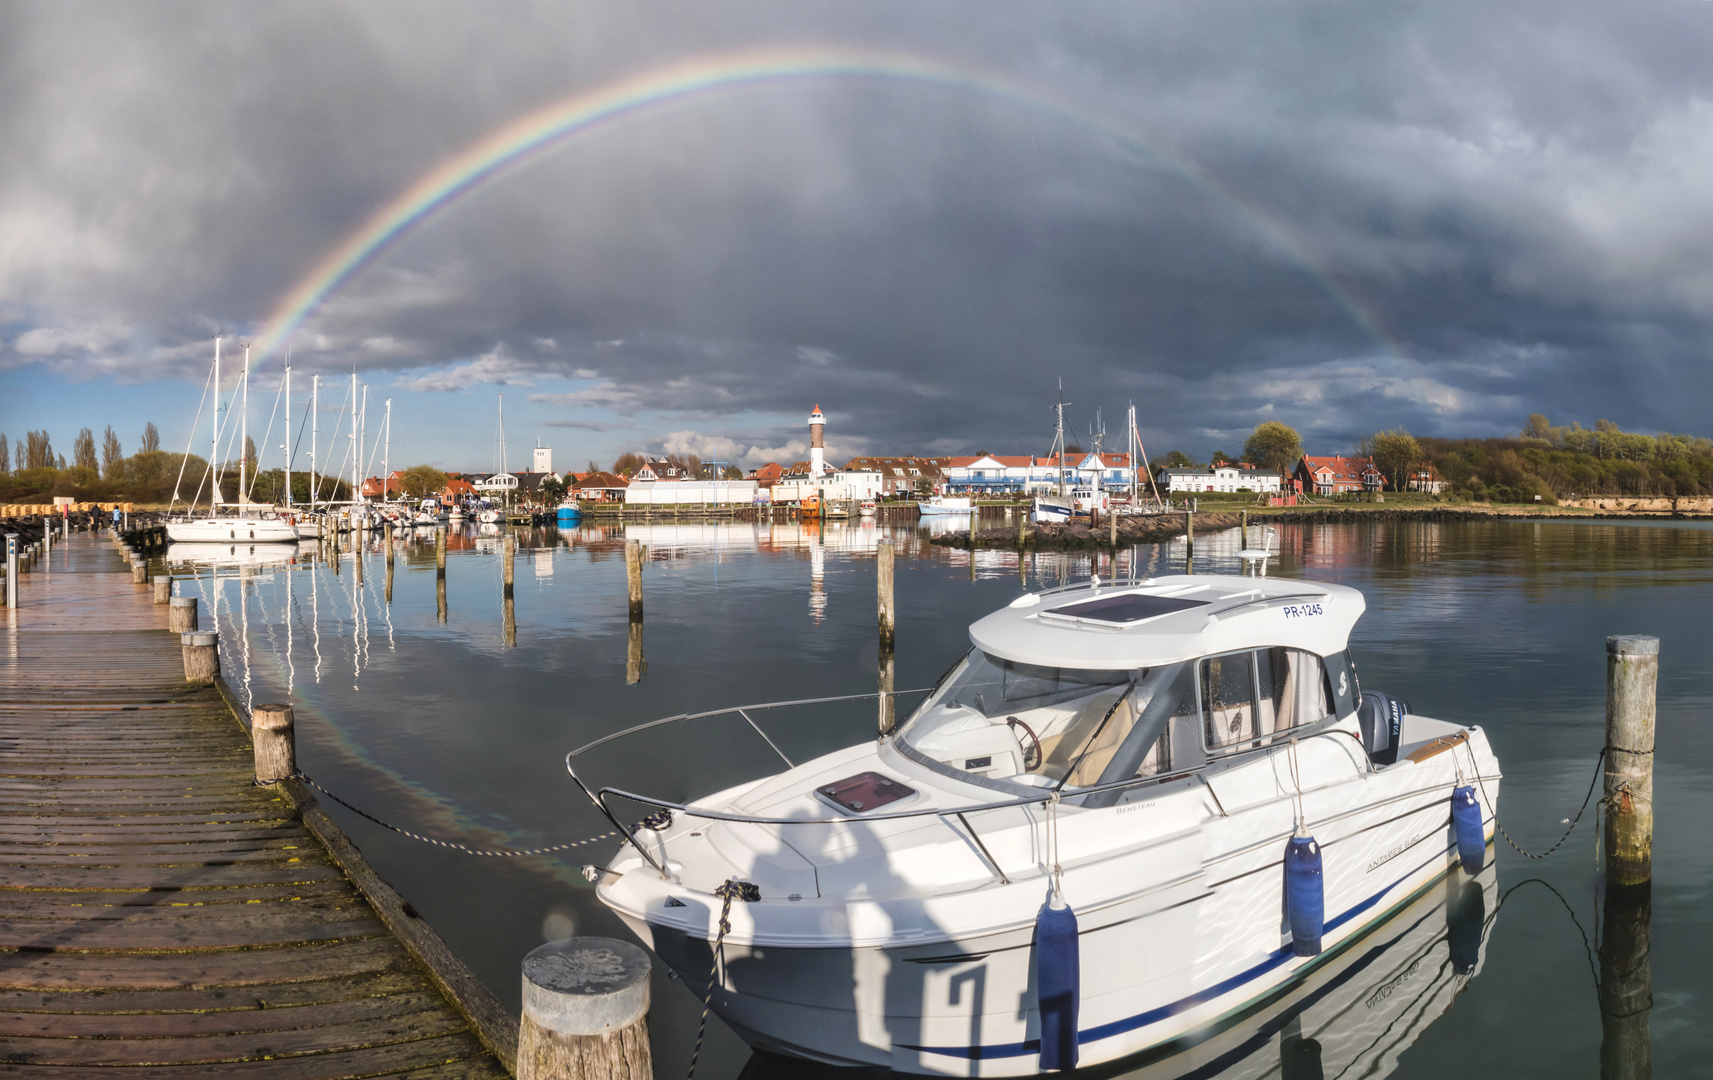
{"x":548,"y":127}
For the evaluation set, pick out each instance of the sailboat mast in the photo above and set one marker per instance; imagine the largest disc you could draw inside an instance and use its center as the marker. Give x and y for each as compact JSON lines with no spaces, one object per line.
{"x":214,"y":435}
{"x":244,"y":435}
{"x":354,"y":452}
{"x":314,"y":436}
{"x":387,"y":454}
{"x":288,"y":434}
{"x":363,"y":433}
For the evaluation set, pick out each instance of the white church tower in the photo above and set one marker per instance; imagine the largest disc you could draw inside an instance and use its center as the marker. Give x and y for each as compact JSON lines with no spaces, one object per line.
{"x":817,"y":453}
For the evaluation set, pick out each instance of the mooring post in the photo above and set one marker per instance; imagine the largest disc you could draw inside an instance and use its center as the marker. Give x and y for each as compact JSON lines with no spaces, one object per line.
{"x":181,"y":614}
{"x":387,"y":538}
{"x":440,"y":554}
{"x":201,"y":655}
{"x":508,"y":554}
{"x":357,"y":554}
{"x":633,"y":576}
{"x":140,"y":571}
{"x":163,"y":588}
{"x":1112,"y":526}
{"x":1632,"y":680}
{"x":884,"y":558}
{"x":11,"y":570}
{"x":1243,"y":530}
{"x":1022,"y":529}
{"x":585,"y":1012}
{"x":275,"y":741}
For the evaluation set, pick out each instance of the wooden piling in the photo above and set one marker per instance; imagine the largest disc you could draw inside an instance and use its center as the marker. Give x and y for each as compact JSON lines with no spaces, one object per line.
{"x":1112,"y":528}
{"x":387,"y":539}
{"x":633,"y":576}
{"x":140,"y":572}
{"x":884,"y":558}
{"x":201,"y":656}
{"x":1022,"y":529}
{"x":1243,"y":530}
{"x":163,"y":588}
{"x":440,"y":599}
{"x":181,"y":614}
{"x":585,"y":1012}
{"x":272,"y":734}
{"x":1632,"y":679}
{"x":440,"y":553}
{"x":357,"y":557}
{"x":1626,"y":985}
{"x":389,"y":592}
{"x":508,"y":555}
{"x":509,"y":624}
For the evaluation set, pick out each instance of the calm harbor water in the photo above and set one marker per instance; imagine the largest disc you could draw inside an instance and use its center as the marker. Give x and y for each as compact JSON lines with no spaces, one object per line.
{"x":447,"y":729}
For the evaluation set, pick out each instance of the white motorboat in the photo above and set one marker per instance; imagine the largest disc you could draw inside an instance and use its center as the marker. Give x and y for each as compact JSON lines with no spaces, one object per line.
{"x":1130,"y":811}
{"x":947,"y":504}
{"x":868,"y":508}
{"x":1052,"y":509}
{"x":490,"y":516}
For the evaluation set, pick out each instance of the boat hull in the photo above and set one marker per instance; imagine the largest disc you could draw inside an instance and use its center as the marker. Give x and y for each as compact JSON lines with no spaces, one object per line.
{"x":231,"y":531}
{"x":965,"y":1007}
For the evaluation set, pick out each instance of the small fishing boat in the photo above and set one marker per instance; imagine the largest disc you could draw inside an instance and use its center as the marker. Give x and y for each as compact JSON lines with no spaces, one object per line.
{"x":868,"y":508}
{"x":810,"y":507}
{"x":455,"y":515}
{"x":490,"y":516}
{"x":568,"y":513}
{"x":837,"y":510}
{"x":1052,"y":509}
{"x":946,"y":504}
{"x":1133,"y":810}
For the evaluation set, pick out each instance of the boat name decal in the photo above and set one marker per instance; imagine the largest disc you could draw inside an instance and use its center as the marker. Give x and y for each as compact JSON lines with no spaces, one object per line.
{"x":1393,"y":853}
{"x":1386,"y":991}
{"x":1301,"y":611}
{"x":1127,"y":807}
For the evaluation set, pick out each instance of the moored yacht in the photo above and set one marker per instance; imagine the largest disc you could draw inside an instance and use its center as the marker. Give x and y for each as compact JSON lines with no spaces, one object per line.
{"x":1131,"y":810}
{"x":946,"y":504}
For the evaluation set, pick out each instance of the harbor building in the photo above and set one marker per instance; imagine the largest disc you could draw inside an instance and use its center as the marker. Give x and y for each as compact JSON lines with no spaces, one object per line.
{"x":1229,"y":476}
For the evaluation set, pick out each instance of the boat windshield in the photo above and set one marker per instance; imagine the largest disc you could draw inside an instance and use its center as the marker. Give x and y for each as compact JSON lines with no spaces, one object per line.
{"x":1043,"y":726}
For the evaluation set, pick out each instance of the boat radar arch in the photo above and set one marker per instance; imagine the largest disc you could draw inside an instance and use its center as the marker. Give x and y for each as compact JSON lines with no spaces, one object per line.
{"x":1168,"y":619}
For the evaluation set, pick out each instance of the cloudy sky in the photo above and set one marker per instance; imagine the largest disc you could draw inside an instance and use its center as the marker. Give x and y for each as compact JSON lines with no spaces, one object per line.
{"x":1348,"y":216}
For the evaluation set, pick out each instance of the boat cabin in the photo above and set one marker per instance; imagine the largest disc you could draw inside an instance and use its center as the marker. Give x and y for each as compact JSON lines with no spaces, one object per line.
{"x":1091,"y":687}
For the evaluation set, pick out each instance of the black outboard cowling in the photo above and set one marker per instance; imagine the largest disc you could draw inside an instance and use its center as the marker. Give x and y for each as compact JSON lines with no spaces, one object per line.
{"x":1382,"y":719}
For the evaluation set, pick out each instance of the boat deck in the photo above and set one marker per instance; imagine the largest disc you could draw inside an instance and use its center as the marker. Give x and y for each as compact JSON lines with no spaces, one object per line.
{"x":160,"y":915}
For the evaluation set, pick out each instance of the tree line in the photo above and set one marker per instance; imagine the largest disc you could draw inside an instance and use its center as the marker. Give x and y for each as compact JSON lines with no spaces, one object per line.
{"x":32,"y":471}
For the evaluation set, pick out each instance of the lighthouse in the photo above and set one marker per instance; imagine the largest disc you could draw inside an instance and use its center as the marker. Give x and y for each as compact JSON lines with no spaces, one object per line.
{"x":817,"y":453}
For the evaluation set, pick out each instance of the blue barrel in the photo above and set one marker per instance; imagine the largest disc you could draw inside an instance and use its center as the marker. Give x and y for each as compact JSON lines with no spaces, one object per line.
{"x":1058,"y":978}
{"x":1305,"y":895}
{"x":1466,"y":825}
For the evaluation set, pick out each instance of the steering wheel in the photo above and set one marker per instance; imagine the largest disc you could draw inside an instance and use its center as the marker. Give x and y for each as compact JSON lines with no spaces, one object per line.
{"x":1031,"y":749}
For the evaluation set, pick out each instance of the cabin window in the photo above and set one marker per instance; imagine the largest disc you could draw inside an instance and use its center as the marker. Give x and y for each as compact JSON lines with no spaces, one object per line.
{"x":1250,"y":697}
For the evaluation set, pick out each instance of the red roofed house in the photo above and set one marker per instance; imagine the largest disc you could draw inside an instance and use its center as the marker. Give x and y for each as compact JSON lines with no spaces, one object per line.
{"x":768,"y":474}
{"x":372,"y":485}
{"x":600,"y":487}
{"x":1339,"y":475}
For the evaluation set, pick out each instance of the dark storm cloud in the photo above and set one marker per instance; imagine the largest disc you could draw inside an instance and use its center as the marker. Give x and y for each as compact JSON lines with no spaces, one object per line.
{"x":1455,"y":214}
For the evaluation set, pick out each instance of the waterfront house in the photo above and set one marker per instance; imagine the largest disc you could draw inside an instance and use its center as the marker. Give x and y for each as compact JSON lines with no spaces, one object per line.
{"x":1227,"y":476}
{"x":660,"y":470}
{"x":1425,"y":478}
{"x":600,"y":487}
{"x":767,"y":475}
{"x":902,"y":477}
{"x":1339,"y":475}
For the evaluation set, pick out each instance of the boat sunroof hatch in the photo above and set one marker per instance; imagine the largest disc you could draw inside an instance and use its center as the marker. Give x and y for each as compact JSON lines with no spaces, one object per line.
{"x":1125,"y":608}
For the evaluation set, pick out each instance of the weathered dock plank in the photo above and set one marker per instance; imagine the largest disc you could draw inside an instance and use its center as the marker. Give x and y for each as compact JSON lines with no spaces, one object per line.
{"x":160,"y":915}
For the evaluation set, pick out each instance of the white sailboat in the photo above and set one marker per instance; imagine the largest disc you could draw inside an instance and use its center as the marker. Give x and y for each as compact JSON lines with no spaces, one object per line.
{"x":244,"y":522}
{"x":1058,"y":507}
{"x":1131,"y":812}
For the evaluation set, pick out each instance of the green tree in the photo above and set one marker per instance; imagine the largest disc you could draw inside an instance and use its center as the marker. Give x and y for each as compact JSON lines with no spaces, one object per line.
{"x":420,"y":480}
{"x":151,"y":438}
{"x":1395,"y":452}
{"x":1177,"y":459}
{"x":552,"y":491}
{"x":37,"y":450}
{"x":1273,"y":445}
{"x":83,"y":449}
{"x":1220,"y":457}
{"x":111,"y":452}
{"x":627,"y":463}
{"x":732,"y":472}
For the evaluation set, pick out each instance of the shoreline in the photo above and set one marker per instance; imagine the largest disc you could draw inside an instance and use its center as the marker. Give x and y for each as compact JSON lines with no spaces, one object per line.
{"x":1153,"y":529}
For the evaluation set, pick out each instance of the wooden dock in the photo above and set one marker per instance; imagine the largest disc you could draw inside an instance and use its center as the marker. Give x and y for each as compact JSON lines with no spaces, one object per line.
{"x":160,"y":915}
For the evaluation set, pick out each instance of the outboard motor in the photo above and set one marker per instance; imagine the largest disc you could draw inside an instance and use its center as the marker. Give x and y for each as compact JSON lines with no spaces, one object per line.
{"x":1382,"y":720}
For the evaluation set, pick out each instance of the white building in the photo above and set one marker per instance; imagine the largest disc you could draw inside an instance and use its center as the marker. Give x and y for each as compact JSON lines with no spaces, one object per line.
{"x":1229,"y":477}
{"x":690,"y":493}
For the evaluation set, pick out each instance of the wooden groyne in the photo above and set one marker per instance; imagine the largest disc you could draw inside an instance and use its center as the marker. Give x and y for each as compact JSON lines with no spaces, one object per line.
{"x":160,"y":911}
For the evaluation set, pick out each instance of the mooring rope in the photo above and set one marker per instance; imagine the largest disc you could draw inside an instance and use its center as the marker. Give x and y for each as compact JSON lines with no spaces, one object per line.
{"x":497,"y":853}
{"x":732,"y":889}
{"x":1595,"y":779}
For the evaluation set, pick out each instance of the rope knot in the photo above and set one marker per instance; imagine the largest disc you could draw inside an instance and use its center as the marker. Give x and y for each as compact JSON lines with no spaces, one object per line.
{"x":659,"y":821}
